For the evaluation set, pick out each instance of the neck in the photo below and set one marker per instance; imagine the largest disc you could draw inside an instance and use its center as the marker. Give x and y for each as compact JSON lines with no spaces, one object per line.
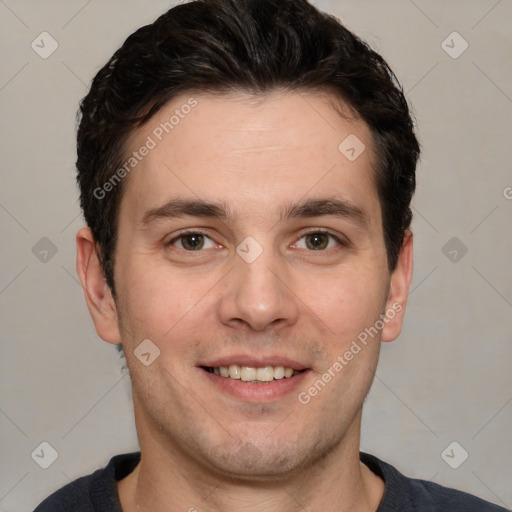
{"x":167,"y":480}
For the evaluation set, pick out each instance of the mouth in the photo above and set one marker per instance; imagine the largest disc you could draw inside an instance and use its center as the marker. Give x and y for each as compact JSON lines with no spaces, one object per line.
{"x":255,"y":380}
{"x":254,"y":375}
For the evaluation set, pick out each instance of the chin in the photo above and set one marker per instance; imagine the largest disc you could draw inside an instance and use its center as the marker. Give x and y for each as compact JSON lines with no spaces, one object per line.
{"x":269,"y":459}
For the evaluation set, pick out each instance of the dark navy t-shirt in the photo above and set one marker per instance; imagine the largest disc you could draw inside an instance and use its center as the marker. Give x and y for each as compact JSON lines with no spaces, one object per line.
{"x":98,"y":492}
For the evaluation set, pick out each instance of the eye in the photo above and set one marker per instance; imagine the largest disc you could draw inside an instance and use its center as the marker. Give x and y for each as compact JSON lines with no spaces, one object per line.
{"x":320,"y":241}
{"x":192,"y":241}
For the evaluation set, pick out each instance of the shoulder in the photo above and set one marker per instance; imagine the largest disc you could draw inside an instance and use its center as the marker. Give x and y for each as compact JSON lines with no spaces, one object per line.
{"x":412,"y":494}
{"x":96,"y":492}
{"x":74,"y":496}
{"x":424,"y":492}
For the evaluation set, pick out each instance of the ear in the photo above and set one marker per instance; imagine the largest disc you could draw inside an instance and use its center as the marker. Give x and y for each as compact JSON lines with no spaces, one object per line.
{"x":98,"y":295}
{"x":398,"y":291}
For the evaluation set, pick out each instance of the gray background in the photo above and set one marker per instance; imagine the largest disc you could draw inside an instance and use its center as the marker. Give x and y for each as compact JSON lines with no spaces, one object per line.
{"x":447,"y":378}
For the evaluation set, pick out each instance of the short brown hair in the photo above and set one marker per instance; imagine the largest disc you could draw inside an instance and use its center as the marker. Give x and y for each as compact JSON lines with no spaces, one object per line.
{"x":254,"y":46}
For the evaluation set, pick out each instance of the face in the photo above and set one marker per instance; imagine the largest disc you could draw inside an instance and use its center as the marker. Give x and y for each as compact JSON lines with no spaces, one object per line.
{"x":250,"y":245}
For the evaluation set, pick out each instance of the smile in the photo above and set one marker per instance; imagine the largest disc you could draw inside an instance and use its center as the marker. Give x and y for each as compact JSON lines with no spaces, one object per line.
{"x":255,"y":383}
{"x":261,"y":375}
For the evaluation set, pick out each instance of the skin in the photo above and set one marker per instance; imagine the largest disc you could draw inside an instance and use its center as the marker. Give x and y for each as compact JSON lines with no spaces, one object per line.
{"x":201,"y":447}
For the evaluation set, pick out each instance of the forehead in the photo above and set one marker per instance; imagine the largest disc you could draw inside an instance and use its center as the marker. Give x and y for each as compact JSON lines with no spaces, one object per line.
{"x":253,"y":152}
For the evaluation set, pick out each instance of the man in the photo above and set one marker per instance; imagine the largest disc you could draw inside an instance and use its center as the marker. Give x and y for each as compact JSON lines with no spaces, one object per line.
{"x":246,"y":169}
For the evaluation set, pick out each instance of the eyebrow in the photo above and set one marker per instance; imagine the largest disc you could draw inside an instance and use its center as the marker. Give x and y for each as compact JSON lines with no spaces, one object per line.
{"x":330,"y":206}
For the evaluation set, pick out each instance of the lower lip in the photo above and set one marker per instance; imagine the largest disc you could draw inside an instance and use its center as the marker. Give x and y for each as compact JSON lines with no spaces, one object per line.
{"x":250,"y":392}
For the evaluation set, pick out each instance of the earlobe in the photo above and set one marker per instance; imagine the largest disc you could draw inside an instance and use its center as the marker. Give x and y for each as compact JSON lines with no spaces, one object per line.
{"x":399,"y":290}
{"x":98,"y":295}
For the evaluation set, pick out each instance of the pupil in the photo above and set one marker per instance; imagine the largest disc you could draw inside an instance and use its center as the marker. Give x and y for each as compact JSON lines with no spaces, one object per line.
{"x":318,"y":240}
{"x":193,"y":241}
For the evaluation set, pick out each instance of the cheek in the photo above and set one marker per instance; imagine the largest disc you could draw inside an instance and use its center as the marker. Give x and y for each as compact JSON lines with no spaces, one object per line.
{"x":347,"y":302}
{"x":157,"y":302}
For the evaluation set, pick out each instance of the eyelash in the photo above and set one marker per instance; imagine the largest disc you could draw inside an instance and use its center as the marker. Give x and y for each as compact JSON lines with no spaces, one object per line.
{"x":183,"y":234}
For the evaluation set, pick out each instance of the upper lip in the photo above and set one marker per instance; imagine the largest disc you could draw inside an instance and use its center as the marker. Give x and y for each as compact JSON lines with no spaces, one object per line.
{"x":255,"y":362}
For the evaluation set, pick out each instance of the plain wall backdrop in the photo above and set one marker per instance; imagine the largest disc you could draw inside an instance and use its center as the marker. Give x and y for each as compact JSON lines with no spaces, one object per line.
{"x":446,"y":379}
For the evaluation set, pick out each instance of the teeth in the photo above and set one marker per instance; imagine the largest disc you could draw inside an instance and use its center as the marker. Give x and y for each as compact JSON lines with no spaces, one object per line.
{"x":247,"y":373}
{"x":265,"y":374}
{"x":250,"y":374}
{"x":278,"y":372}
{"x":234,"y":371}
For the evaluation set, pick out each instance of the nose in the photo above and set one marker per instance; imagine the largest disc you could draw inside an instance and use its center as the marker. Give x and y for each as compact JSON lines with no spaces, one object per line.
{"x":259,"y":295}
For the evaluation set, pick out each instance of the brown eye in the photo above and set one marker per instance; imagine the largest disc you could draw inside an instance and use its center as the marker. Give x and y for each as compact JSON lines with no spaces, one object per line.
{"x":317,"y":241}
{"x":192,"y":241}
